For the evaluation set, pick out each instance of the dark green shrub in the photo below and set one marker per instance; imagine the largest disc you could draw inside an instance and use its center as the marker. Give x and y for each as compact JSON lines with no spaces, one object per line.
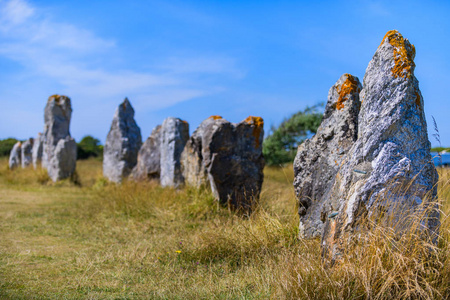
{"x":89,"y":147}
{"x":281,"y":144}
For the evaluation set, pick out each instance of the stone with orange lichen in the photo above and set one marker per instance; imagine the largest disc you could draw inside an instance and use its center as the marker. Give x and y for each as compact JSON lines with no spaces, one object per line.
{"x":403,"y":53}
{"x":59,"y":148}
{"x":318,"y":159}
{"x":388,"y":175}
{"x":350,"y":86}
{"x":228,"y":158}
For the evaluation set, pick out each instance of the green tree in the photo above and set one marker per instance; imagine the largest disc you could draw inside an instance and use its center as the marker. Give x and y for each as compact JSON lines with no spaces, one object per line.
{"x":281,"y":144}
{"x":89,"y":147}
{"x":6,"y":146}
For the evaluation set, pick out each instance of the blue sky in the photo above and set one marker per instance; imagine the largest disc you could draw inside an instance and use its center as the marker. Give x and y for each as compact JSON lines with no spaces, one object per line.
{"x":193,"y":59}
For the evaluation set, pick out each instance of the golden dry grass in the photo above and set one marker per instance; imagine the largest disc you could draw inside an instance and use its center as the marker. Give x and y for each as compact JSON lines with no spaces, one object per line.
{"x":96,"y":240}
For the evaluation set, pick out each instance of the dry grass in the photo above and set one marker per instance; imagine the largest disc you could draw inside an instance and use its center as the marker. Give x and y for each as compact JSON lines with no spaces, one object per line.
{"x":97,"y":240}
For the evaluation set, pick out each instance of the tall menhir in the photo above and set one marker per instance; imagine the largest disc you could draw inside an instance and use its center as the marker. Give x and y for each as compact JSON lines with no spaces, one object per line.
{"x":60,"y":149}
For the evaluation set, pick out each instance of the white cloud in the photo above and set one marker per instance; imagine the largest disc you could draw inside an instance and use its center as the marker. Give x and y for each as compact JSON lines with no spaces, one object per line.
{"x":64,"y":58}
{"x":14,"y":12}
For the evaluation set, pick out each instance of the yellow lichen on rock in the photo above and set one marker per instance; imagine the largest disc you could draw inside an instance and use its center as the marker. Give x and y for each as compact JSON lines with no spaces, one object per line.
{"x":349,"y":86}
{"x":55,"y":96}
{"x":215,"y":117}
{"x":258,"y":122}
{"x":403,"y":54}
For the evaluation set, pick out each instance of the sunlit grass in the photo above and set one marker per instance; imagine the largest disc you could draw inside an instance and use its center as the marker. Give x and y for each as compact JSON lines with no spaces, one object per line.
{"x":93,"y":239}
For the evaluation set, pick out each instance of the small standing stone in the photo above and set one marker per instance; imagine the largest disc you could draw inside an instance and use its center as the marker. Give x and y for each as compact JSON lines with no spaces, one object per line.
{"x":318,"y":159}
{"x":38,"y":149}
{"x":15,"y":155}
{"x":63,"y":162}
{"x":27,"y":149}
{"x":229,"y":157}
{"x":174,"y":135}
{"x":149,"y":156}
{"x":122,"y":144}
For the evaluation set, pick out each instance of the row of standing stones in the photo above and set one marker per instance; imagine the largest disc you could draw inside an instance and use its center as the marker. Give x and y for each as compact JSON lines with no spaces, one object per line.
{"x":370,"y":158}
{"x":55,"y":150}
{"x":225,"y":156}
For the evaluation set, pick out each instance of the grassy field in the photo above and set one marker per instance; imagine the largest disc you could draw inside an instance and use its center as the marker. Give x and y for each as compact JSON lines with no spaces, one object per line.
{"x":89,"y":239}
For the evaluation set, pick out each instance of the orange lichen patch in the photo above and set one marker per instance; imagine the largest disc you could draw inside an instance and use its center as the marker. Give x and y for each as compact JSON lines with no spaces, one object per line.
{"x":185,"y":122}
{"x":418,"y":100}
{"x":349,"y":86}
{"x":215,"y":117}
{"x":58,"y":98}
{"x":55,"y":96}
{"x":403,"y":54}
{"x":258,"y":122}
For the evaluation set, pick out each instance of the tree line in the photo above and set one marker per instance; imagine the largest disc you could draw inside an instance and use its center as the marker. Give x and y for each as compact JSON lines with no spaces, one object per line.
{"x":87,"y":147}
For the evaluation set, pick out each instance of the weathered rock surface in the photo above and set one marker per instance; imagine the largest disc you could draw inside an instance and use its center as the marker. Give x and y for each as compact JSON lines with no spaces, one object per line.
{"x":63,"y":161}
{"x":196,"y":155}
{"x":26,"y":153}
{"x":174,"y":135}
{"x":122,"y":144}
{"x":229,"y":157}
{"x":38,"y":149}
{"x":57,"y":115}
{"x":15,"y":156}
{"x":318,"y":159}
{"x":388,"y":172}
{"x":149,"y":156}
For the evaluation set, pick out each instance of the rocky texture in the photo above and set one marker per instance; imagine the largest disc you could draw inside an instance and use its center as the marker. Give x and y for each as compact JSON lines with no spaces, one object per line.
{"x":197,"y":155}
{"x":149,"y":156}
{"x":38,"y":149}
{"x":388,"y":171}
{"x":15,"y":156}
{"x":26,"y":155}
{"x":319,"y":158}
{"x":229,"y":157}
{"x":122,"y":144}
{"x":62,"y":163}
{"x":57,"y":115}
{"x":174,"y":135}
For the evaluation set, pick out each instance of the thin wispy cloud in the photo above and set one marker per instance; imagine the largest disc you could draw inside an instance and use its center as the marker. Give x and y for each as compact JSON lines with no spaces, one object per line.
{"x":77,"y":62}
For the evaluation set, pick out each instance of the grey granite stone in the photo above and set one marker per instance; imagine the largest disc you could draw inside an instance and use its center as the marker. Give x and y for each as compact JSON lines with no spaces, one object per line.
{"x":122,"y":144}
{"x":388,"y":173}
{"x":174,"y":135}
{"x":149,"y":156}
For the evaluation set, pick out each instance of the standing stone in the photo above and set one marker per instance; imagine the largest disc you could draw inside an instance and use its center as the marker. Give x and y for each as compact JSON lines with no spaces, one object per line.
{"x":38,"y":149}
{"x":15,"y":155}
{"x":229,"y":157}
{"x":122,"y":144}
{"x":388,"y":172}
{"x":149,"y":156}
{"x":318,"y":159}
{"x":63,"y":162}
{"x":27,"y":149}
{"x":196,"y":154}
{"x":174,"y":135}
{"x":57,"y":139}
